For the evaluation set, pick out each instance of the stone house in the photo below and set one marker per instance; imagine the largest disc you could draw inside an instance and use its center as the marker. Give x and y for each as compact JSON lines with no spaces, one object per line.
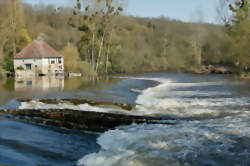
{"x":38,"y":58}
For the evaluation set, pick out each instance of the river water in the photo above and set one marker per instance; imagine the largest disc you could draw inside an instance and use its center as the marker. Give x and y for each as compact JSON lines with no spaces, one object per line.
{"x":212,"y":126}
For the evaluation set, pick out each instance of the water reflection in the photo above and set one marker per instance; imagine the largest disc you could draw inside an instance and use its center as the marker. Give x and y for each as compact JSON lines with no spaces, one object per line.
{"x":54,"y":87}
{"x":39,"y":83}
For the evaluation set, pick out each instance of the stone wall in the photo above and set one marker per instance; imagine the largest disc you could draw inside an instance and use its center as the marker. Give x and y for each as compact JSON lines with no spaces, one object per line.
{"x":47,"y":66}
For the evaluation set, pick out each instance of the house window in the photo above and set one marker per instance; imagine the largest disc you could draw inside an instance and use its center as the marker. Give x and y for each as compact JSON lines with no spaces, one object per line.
{"x":28,"y":66}
{"x":60,"y":61}
{"x":29,"y":83}
{"x":52,"y":62}
{"x":60,"y":67}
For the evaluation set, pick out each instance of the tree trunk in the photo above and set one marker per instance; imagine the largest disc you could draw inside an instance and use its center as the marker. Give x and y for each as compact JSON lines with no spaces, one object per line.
{"x":107,"y":57}
{"x":93,"y":50}
{"x":107,"y":60}
{"x":197,"y":53}
{"x":100,"y":52}
{"x":14,"y":47}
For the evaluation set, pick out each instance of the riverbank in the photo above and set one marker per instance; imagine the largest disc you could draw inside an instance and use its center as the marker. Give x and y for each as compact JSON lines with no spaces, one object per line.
{"x":219,"y":70}
{"x":203,"y":70}
{"x":245,"y":75}
{"x":210,"y":69}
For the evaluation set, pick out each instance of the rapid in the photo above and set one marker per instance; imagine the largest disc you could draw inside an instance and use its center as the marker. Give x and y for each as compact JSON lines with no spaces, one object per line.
{"x":213,"y":126}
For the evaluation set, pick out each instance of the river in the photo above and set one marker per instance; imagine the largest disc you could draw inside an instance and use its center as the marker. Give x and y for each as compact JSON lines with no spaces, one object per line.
{"x":212,"y":126}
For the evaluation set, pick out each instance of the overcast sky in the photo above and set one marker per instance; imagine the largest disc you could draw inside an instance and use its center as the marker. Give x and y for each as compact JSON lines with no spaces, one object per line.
{"x":185,"y":10}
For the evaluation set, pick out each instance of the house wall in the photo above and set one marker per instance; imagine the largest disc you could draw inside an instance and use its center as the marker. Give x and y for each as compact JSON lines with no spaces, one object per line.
{"x":36,"y":66}
{"x":47,"y":66}
{"x":52,"y":68}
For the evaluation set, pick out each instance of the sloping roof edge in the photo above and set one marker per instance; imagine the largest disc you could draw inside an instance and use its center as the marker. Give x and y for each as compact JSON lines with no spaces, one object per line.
{"x":37,"y":49}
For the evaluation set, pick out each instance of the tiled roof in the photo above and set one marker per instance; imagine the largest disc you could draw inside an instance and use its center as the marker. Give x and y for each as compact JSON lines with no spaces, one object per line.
{"x":37,"y":49}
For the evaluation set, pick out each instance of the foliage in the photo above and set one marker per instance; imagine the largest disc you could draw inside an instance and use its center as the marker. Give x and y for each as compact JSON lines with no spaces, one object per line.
{"x":103,"y":40}
{"x":20,"y":68}
{"x":8,"y":64}
{"x":86,"y":69}
{"x":18,"y":36}
{"x":23,"y":39}
{"x":94,"y":19}
{"x":13,"y":33}
{"x":73,"y":63}
{"x":239,"y":33}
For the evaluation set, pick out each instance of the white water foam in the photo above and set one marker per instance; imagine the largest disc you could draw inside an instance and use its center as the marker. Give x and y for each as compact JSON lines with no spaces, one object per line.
{"x":163,"y":100}
{"x":161,"y":145}
{"x":212,"y":141}
{"x":66,"y":105}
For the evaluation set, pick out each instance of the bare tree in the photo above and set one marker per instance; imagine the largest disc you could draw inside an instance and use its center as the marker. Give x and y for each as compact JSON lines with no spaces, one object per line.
{"x":223,"y":12}
{"x":96,"y":17}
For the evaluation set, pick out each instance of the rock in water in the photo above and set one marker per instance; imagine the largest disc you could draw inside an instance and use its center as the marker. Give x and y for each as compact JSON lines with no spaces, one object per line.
{"x":81,"y":120}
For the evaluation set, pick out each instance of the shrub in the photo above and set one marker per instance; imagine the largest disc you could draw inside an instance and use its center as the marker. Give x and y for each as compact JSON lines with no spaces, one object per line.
{"x":85,"y":68}
{"x":20,"y":68}
{"x":73,"y":63}
{"x":8,"y":64}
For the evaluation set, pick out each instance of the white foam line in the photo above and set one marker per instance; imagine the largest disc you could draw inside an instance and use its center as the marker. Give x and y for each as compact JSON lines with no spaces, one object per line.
{"x":82,"y":107}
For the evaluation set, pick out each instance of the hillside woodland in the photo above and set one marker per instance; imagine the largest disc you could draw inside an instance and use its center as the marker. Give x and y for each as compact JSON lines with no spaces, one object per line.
{"x":95,"y":37}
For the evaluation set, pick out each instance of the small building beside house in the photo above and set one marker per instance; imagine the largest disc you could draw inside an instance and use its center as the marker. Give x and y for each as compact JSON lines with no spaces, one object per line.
{"x":38,"y":58}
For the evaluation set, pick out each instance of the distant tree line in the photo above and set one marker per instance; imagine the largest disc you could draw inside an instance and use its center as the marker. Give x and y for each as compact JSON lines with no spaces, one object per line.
{"x":96,"y":35}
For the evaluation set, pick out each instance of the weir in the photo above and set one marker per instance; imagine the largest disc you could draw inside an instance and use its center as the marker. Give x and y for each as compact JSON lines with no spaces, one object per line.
{"x":127,"y":107}
{"x":80,"y":120}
